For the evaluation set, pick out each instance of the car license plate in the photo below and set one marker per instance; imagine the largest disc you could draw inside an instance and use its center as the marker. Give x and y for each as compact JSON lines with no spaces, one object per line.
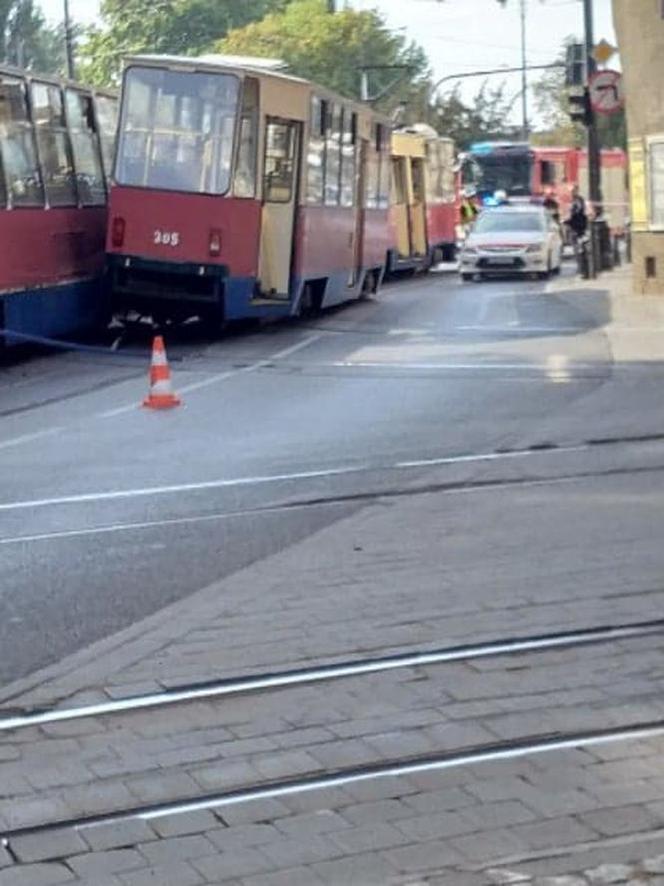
{"x":501,"y":260}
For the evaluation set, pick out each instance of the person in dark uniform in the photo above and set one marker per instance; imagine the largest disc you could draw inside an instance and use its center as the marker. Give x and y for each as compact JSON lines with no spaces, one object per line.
{"x":577,"y":221}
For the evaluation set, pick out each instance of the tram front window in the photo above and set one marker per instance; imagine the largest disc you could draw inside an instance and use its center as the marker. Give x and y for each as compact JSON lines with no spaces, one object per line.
{"x":510,"y":173}
{"x":177,"y":131}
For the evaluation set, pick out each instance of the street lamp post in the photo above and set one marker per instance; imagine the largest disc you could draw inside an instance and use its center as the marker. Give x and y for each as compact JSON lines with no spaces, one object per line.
{"x":524,"y":75}
{"x":69,"y":42}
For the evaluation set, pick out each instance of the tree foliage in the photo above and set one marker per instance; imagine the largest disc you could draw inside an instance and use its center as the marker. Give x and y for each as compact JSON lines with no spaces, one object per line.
{"x":331,"y":49}
{"x":484,"y":119}
{"x":180,"y":27}
{"x":27,"y":41}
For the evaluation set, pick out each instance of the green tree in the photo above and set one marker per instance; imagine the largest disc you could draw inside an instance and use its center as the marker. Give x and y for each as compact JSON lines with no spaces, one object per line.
{"x":30,"y":43}
{"x":483,"y":119}
{"x":25,"y":38}
{"x":331,"y":50}
{"x":181,"y":27}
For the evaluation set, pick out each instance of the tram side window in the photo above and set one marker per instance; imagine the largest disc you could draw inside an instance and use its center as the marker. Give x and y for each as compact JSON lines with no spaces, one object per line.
{"x":245,"y":173}
{"x":447,"y":172}
{"x":383,"y":147}
{"x":316,"y":152}
{"x":21,"y":181}
{"x":333,"y":158}
{"x":348,"y":158}
{"x":399,"y":180}
{"x":86,"y":148}
{"x":373,"y":178}
{"x":280,"y":145}
{"x":107,"y":118}
{"x":53,"y":145}
{"x":548,"y":172}
{"x":417,"y":177}
{"x":433,"y":173}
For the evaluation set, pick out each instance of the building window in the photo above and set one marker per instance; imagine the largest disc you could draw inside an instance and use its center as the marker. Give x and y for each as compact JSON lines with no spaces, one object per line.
{"x":656,"y":184}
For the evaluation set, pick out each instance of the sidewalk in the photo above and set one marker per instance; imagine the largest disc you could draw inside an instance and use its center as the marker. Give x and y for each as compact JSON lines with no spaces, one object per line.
{"x":417,"y":571}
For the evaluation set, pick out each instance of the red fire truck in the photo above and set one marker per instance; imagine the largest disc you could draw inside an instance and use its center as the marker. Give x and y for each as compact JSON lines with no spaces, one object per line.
{"x":526,"y":172}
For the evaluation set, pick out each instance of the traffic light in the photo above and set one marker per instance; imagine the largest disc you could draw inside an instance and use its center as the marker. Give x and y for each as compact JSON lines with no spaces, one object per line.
{"x":575,"y":65}
{"x":580,"y":109}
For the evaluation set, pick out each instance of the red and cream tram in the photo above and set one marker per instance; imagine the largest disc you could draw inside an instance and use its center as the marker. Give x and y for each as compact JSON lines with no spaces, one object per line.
{"x":424,"y":201}
{"x":240,"y":191}
{"x":56,"y":144}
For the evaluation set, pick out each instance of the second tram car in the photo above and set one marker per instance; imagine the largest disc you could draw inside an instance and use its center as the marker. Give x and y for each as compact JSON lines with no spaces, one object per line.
{"x":240,"y":191}
{"x":56,"y":144}
{"x":424,"y":202}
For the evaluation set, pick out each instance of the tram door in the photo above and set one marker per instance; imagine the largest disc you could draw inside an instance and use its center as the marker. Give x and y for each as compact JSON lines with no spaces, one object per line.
{"x":417,"y":208}
{"x":280,"y":180}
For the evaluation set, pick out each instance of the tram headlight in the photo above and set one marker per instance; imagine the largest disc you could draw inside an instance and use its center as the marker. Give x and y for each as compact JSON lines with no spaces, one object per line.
{"x":118,"y":229}
{"x":215,"y":242}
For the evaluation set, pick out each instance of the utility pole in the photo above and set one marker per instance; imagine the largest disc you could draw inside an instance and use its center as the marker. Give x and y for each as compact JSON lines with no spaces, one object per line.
{"x":524,"y":75}
{"x":69,"y":42}
{"x":594,"y":151}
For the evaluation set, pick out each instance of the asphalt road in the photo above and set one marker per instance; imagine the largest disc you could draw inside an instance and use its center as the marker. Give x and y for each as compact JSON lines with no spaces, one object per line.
{"x":109,"y":512}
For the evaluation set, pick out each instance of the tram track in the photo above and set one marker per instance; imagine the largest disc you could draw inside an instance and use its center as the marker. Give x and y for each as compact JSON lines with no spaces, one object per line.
{"x":359,"y":667}
{"x":496,"y":752}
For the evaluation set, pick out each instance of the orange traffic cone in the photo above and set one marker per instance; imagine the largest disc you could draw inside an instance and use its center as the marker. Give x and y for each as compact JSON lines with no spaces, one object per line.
{"x":161,"y":394}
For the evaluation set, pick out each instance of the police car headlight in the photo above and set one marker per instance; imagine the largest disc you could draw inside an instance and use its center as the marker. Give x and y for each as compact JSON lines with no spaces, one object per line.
{"x":537,"y":247}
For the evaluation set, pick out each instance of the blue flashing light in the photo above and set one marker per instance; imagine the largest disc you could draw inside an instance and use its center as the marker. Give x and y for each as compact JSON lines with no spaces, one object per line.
{"x":490,"y":201}
{"x":482,"y":148}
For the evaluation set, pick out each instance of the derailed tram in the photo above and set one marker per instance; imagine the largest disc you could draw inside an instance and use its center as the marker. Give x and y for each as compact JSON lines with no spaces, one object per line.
{"x":56,"y":147}
{"x":240,"y":191}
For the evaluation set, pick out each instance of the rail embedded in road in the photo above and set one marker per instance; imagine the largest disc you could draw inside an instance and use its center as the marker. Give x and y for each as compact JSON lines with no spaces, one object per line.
{"x":336,"y":671}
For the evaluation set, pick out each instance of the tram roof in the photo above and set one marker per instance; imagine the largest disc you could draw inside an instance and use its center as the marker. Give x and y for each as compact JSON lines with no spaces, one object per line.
{"x":23,"y":73}
{"x":235,"y":63}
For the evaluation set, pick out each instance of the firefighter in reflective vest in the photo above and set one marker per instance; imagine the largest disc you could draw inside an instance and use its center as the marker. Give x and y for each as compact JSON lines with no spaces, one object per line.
{"x":469,"y":210}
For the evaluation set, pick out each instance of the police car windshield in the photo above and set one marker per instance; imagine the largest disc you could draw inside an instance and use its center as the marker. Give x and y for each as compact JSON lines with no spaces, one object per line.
{"x":523,"y":222}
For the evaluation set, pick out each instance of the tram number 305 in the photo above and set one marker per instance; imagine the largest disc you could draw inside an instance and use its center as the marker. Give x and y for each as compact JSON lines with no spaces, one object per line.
{"x":166,"y":238}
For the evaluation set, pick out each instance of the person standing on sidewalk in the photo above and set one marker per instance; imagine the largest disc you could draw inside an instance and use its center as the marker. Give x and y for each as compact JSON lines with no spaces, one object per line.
{"x":577,"y":221}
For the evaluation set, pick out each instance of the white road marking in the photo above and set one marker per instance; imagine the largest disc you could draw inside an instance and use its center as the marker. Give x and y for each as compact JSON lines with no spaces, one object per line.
{"x":28,"y":438}
{"x":491,"y":367}
{"x":210,"y":518}
{"x":181,"y":487}
{"x":492,"y":456}
{"x":123,"y":527}
{"x":205,"y":485}
{"x":222,"y":376}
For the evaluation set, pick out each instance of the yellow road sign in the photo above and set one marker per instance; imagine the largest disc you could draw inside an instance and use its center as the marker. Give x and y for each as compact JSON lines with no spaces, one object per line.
{"x":604,"y":51}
